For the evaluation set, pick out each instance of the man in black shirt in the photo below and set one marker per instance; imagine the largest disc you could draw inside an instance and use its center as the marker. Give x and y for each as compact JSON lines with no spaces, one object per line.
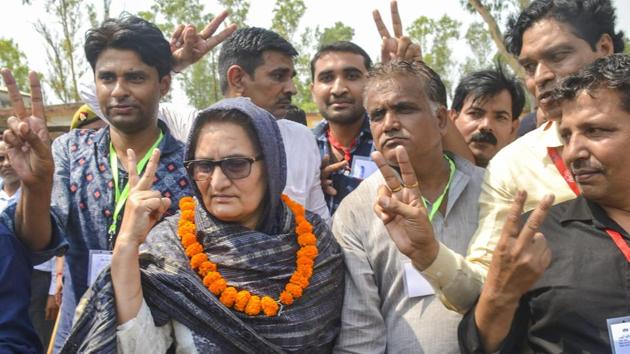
{"x":555,"y":293}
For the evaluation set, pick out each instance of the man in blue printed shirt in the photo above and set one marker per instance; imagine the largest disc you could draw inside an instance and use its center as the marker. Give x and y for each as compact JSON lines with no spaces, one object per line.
{"x":132,"y":63}
{"x":338,"y":71}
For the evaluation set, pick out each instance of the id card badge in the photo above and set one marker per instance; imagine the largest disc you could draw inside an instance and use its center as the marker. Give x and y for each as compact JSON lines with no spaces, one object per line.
{"x":98,"y":260}
{"x":415,"y":284}
{"x":619,"y":332}
{"x":362,"y":167}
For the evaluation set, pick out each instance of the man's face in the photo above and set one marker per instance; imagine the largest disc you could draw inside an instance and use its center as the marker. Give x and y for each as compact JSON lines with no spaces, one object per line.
{"x":596,"y":131}
{"x":337,"y":89}
{"x":128,"y":90}
{"x":7,"y":172}
{"x":550,"y":52}
{"x":272,"y":86}
{"x":400,"y":114}
{"x":486,"y":124}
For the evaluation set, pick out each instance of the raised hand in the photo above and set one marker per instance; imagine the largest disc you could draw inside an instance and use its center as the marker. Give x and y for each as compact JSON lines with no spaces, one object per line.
{"x":188,"y":46}
{"x":399,"y":205}
{"x":326,"y":170}
{"x":27,"y":136}
{"x":521,"y":255}
{"x":144,"y":206}
{"x":398,"y":46}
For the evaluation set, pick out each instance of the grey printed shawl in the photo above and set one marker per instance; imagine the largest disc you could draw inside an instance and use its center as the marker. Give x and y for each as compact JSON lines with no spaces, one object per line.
{"x":248,"y":259}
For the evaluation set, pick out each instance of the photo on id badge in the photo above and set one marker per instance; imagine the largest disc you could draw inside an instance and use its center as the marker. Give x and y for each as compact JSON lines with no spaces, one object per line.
{"x":362,"y":167}
{"x":619,"y":332}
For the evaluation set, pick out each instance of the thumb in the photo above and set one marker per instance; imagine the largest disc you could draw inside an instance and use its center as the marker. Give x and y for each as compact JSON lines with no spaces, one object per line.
{"x":396,"y":207}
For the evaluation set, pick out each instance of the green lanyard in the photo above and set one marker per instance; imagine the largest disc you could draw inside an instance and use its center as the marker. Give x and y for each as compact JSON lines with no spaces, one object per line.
{"x":120,"y":197}
{"x":438,"y":202}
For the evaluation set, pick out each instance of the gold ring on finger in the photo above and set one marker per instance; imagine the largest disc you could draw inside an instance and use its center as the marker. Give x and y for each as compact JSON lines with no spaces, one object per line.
{"x":397,"y":189}
{"x":415,"y":185}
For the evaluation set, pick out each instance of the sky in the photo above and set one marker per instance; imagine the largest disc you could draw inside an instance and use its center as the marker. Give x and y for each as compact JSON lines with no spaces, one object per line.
{"x":18,"y":21}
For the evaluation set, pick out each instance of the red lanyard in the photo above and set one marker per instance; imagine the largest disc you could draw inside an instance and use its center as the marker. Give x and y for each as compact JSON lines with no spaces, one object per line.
{"x":562,"y":168}
{"x":337,"y":145}
{"x":621,"y":244}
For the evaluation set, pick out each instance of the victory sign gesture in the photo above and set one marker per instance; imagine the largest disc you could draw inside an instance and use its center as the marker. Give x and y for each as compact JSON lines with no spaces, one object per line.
{"x":399,"y":204}
{"x":144,"y":207}
{"x":398,"y":46}
{"x":188,"y":46}
{"x":27,"y":136}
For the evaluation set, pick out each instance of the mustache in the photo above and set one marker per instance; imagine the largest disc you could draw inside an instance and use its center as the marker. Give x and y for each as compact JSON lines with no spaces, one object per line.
{"x":584,"y":165}
{"x":484,"y":137}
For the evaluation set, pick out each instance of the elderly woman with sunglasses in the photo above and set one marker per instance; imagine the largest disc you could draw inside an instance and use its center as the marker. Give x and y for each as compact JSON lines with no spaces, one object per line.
{"x":241,"y":268}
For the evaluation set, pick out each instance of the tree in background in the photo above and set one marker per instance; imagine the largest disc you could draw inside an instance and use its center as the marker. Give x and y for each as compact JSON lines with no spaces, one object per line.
{"x":13,"y":59}
{"x":481,"y":46}
{"x":627,"y":47}
{"x":338,"y":32}
{"x":64,"y":47}
{"x":239,"y":9}
{"x":435,"y":38}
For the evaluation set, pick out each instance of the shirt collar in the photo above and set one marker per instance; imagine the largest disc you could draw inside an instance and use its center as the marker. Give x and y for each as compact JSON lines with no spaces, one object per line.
{"x":321,"y":129}
{"x":581,"y":209}
{"x":550,"y":135}
{"x":167,"y":145}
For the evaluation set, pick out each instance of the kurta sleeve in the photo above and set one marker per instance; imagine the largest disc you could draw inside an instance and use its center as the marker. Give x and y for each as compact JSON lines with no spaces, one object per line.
{"x":141,"y":335}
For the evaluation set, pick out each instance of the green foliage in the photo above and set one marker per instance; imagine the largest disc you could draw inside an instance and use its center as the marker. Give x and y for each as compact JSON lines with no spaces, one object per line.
{"x":434,"y":37}
{"x":627,"y":47}
{"x":482,"y":48}
{"x":286,"y":17}
{"x":338,"y":32}
{"x":64,"y":47}
{"x":13,"y":59}
{"x":238,"y":11}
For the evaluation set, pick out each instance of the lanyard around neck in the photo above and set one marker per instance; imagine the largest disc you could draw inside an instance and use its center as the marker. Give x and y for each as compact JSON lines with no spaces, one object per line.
{"x":554,"y":155}
{"x":619,"y":241}
{"x":120,"y":197}
{"x":347,"y":155}
{"x":438,"y":202}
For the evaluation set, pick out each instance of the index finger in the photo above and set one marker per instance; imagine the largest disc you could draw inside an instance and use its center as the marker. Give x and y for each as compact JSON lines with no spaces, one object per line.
{"x":146,"y":181}
{"x":37,"y":101}
{"x":221,"y":36}
{"x":406,"y":170}
{"x":131,"y":168}
{"x":213,"y":25}
{"x":380,"y":25}
{"x":391,"y":179}
{"x":534,"y":221}
{"x":14,"y":94}
{"x":335,"y":167}
{"x":396,"y":19}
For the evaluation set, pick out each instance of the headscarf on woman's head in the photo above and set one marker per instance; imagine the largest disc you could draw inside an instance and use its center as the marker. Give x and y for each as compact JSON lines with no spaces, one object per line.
{"x":274,"y":158}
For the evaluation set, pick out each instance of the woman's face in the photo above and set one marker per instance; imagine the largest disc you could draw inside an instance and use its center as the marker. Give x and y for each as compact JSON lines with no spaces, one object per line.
{"x":238,"y":200}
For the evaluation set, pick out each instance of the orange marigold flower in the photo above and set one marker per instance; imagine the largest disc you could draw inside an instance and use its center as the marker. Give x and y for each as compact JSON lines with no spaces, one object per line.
{"x":228,"y":297}
{"x":187,"y":228}
{"x":286,"y":298}
{"x":284,"y":197}
{"x":242,"y":298}
{"x":197,"y":260}
{"x":299,"y":279}
{"x":188,"y":215}
{"x":307,"y":240}
{"x":304,"y":228}
{"x":206,"y":267}
{"x":188,"y":239}
{"x":269,"y":306}
{"x":298,"y":209}
{"x":253,"y":306}
{"x":304,"y":262}
{"x":300,"y":219}
{"x":308,"y":252}
{"x":295,"y":290}
{"x":185,"y":200}
{"x":218,"y":286}
{"x":307,"y":272}
{"x":210,"y":278}
{"x":194,"y":249}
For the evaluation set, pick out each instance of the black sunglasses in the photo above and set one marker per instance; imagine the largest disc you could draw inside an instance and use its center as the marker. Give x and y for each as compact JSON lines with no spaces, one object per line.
{"x":232,"y":167}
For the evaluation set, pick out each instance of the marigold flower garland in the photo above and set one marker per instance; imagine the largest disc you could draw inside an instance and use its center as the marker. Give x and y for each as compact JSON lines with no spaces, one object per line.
{"x":243,"y":300}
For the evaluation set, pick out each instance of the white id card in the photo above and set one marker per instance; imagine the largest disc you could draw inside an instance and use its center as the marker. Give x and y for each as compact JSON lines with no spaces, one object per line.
{"x":619,"y":332}
{"x":415,"y":284}
{"x":362,"y":167}
{"x":98,"y":260}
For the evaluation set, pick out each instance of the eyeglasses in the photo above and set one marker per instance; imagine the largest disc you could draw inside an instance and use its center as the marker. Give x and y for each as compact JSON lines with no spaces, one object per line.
{"x":232,"y":167}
